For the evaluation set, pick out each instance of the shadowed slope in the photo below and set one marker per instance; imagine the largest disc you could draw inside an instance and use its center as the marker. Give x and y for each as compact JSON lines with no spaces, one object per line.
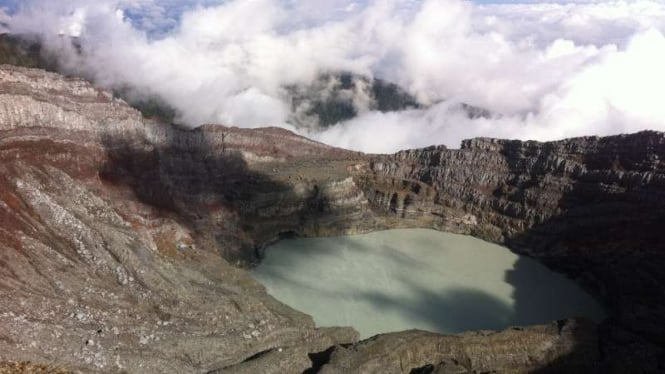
{"x":112,"y":226}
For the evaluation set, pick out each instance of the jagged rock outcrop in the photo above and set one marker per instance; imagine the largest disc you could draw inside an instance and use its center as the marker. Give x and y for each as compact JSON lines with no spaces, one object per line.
{"x":509,"y":351}
{"x":111,"y":231}
{"x":590,"y":207}
{"x":122,"y":240}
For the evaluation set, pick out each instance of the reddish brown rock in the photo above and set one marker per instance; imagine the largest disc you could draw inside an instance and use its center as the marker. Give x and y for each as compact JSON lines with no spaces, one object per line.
{"x":122,"y":240}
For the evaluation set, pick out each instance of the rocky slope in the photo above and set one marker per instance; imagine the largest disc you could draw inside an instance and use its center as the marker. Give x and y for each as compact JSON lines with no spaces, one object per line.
{"x":329,"y":99}
{"x":589,"y":207}
{"x":122,"y":240}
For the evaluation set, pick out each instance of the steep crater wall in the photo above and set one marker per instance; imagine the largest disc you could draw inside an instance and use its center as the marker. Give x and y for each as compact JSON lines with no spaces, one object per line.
{"x":102,"y":210}
{"x":586,"y":206}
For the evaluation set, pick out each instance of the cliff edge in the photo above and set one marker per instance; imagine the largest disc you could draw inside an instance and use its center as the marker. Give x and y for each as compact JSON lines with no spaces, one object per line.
{"x":123,"y":240}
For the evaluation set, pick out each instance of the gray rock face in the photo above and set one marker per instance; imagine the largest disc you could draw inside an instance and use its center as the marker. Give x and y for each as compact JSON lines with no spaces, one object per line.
{"x":509,"y":351}
{"x":590,"y":207}
{"x":101,"y":261}
{"x":122,"y":240}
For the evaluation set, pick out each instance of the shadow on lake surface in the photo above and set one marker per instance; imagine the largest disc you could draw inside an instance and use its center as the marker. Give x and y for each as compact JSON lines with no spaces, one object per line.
{"x":404,"y":279}
{"x":450,"y":310}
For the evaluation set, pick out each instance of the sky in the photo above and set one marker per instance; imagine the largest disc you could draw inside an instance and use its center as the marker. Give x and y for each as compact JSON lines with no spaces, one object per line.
{"x":546,"y":70}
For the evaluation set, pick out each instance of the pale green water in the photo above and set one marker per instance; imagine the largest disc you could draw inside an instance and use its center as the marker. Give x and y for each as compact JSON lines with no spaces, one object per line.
{"x":403,"y":279}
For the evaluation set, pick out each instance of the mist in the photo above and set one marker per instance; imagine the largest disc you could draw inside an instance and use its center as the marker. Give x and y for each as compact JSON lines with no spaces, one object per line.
{"x":543,"y":70}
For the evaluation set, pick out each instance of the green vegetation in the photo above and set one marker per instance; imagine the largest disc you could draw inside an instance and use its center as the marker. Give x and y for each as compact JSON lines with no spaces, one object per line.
{"x":28,"y":53}
{"x":391,"y":97}
{"x":330,"y":99}
{"x":338,"y":97}
{"x":151,"y":107}
{"x":330,"y":112}
{"x":19,"y":52}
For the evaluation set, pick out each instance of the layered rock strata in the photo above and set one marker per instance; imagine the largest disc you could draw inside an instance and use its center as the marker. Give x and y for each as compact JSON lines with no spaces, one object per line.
{"x":122,"y":240}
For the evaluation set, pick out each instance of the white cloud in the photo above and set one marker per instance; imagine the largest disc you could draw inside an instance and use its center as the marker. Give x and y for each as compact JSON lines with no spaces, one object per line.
{"x":547,"y":70}
{"x":4,"y":18}
{"x":619,"y":91}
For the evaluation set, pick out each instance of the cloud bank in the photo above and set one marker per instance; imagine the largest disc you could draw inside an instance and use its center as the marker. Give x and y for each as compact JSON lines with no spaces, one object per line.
{"x":545,"y":70}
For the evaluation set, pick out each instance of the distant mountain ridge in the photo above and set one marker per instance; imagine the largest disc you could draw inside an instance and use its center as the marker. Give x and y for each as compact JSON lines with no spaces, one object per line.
{"x":122,"y":240}
{"x":332,"y":98}
{"x":338,"y":97}
{"x":23,"y":52}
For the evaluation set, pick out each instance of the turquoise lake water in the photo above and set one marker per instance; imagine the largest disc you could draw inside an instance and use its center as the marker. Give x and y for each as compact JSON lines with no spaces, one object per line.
{"x":415,"y":278}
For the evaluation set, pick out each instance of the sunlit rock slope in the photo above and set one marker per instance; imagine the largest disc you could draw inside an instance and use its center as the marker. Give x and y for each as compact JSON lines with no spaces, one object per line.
{"x":123,"y":240}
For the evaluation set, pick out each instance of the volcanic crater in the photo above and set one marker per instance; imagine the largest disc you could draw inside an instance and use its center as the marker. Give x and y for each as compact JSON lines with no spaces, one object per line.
{"x":125,"y":242}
